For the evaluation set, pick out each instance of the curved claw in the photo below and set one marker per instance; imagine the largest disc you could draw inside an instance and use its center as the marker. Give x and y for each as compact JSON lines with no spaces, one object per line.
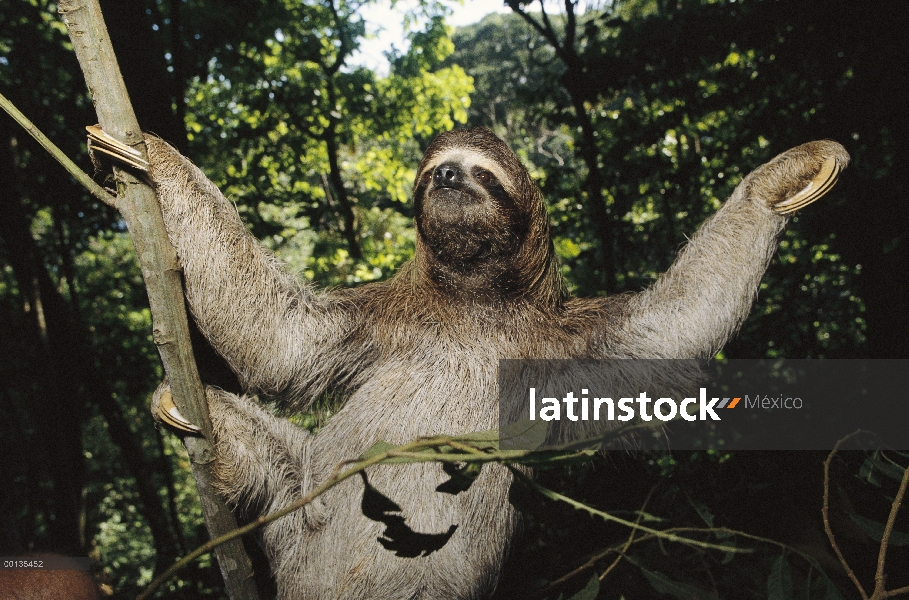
{"x":817,"y":187}
{"x":98,"y":141}
{"x":165,"y":411}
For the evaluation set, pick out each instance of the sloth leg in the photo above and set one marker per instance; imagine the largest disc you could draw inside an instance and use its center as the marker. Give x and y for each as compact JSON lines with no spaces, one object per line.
{"x":701,"y":301}
{"x":260,"y":459}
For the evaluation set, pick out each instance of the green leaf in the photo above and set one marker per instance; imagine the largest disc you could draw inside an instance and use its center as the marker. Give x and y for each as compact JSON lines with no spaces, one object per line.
{"x":824,"y":589}
{"x":526,"y":434}
{"x":779,"y":582}
{"x":677,"y":589}
{"x":377,"y":449}
{"x":484,"y":440}
{"x":381,"y":447}
{"x":883,"y":464}
{"x":666,"y":585}
{"x":875,"y":530}
{"x":590,"y":591}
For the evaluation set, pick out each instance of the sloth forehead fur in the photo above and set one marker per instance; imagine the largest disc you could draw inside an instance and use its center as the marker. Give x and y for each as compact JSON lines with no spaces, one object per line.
{"x":479,"y":147}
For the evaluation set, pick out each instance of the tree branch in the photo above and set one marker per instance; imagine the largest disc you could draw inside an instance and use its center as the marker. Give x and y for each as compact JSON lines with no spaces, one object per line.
{"x":547,"y":32}
{"x":160,"y":269}
{"x":825,"y":512}
{"x":880,"y":578}
{"x":96,"y":190}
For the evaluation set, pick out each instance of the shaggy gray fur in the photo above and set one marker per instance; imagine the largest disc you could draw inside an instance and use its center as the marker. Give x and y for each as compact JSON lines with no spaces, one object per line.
{"x":417,"y":355}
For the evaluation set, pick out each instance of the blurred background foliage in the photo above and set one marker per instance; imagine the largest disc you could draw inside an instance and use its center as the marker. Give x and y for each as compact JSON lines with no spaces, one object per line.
{"x":637,"y":118}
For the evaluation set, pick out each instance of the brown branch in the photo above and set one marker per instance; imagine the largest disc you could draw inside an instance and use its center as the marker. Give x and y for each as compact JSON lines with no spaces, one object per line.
{"x":664,"y":534}
{"x":547,"y":32}
{"x":825,"y":512}
{"x":630,"y":540}
{"x":606,"y":224}
{"x":879,"y":576}
{"x":896,"y":592}
{"x":593,"y":560}
{"x":572,"y":23}
{"x":330,"y":137}
{"x":621,"y":549}
{"x":160,"y":269}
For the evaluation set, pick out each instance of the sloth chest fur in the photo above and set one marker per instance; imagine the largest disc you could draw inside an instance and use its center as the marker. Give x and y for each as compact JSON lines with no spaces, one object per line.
{"x":424,"y":392}
{"x":426,"y":375}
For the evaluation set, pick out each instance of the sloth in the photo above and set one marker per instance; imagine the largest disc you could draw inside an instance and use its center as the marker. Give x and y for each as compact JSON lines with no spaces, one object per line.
{"x":417,"y":355}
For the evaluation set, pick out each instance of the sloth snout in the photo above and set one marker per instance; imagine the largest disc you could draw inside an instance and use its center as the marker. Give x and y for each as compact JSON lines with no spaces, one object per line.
{"x":448,"y":175}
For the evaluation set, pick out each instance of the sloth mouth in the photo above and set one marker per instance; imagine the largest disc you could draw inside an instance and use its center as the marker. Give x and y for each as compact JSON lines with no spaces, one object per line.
{"x":452,"y":196}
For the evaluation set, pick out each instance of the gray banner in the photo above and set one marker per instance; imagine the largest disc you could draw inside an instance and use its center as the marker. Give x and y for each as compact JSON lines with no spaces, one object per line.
{"x":684,"y":405}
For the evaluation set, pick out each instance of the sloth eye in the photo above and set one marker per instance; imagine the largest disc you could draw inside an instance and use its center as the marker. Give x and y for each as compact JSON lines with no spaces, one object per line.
{"x":426,"y":176}
{"x":483,"y":176}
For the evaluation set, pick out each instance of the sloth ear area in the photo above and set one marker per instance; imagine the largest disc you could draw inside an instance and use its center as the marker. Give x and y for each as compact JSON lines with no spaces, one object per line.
{"x":164,"y":410}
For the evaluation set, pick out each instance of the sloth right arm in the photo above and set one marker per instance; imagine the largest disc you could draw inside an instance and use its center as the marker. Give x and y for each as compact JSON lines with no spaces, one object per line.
{"x":273,"y":331}
{"x":701,"y":301}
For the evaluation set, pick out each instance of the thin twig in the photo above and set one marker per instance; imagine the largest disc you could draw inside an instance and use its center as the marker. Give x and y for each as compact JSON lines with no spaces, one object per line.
{"x":666,"y":535}
{"x":631,"y":535}
{"x":78,"y":174}
{"x":621,"y":549}
{"x":593,"y":560}
{"x":825,"y":512}
{"x":896,"y":592}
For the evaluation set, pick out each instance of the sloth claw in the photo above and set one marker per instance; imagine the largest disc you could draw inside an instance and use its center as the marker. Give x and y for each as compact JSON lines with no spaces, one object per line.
{"x":164,"y":410}
{"x":822,"y":183}
{"x":98,"y":141}
{"x":800,"y":176}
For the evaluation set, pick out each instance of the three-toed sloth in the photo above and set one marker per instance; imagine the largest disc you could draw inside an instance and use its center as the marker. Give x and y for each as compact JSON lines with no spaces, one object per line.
{"x":417,"y":355}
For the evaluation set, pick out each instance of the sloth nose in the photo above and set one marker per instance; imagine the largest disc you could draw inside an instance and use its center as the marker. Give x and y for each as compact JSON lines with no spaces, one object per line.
{"x":447,"y":176}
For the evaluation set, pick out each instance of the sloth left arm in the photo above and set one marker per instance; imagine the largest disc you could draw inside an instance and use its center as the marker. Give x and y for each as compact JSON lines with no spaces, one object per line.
{"x":701,"y":301}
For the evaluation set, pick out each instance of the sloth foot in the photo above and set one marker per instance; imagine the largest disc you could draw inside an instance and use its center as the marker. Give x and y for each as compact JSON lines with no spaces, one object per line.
{"x":799,"y":176}
{"x":165,"y":411}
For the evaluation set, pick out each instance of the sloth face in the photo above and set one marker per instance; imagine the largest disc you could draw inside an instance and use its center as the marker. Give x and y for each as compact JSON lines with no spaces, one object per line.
{"x":482,"y":226}
{"x":467,"y":206}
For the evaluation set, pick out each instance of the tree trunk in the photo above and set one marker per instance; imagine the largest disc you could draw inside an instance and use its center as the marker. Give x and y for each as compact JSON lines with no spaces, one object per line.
{"x":73,"y":378}
{"x":58,"y":409}
{"x":160,"y":269}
